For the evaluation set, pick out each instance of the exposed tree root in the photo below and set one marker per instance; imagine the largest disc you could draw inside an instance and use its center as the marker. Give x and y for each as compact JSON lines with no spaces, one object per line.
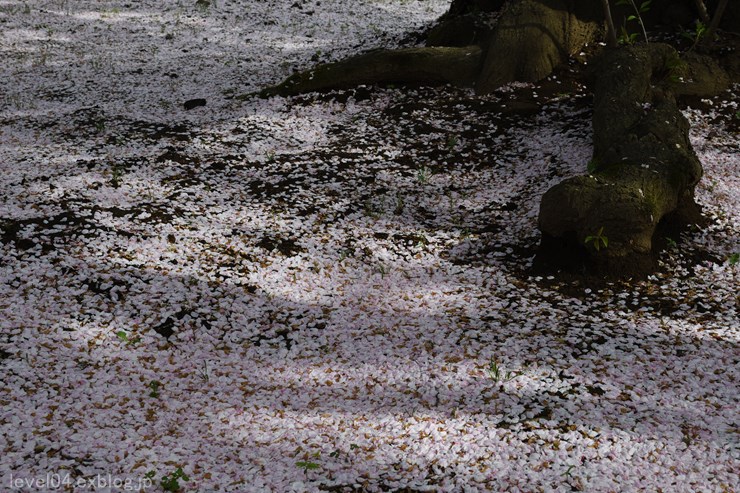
{"x":531,"y":38}
{"x":643,"y":167}
{"x":432,"y":65}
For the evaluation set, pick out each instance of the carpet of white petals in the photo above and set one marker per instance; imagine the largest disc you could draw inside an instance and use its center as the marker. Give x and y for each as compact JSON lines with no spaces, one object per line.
{"x":308,"y":294}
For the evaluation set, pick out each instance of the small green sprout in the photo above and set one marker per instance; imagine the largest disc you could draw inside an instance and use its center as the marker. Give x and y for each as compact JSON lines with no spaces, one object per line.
{"x":598,"y":240}
{"x":626,"y":38}
{"x":374,"y":210}
{"x":497,"y":373}
{"x":125,"y":338}
{"x":734,"y":258}
{"x":204,"y":373}
{"x":308,"y":464}
{"x":116,"y":175}
{"x":643,"y":8}
{"x":423,"y":175}
{"x":696,"y":35}
{"x":155,"y":385}
{"x":171,"y":482}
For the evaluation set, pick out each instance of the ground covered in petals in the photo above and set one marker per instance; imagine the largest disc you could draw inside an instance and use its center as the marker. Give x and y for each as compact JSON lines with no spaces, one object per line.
{"x":331,"y":292}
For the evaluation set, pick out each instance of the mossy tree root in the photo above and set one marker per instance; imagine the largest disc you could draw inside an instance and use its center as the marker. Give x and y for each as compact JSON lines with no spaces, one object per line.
{"x":432,"y":65}
{"x":643,"y":167}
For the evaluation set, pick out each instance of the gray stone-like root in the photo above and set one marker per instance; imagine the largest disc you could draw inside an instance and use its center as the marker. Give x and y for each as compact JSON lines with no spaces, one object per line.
{"x":643,"y":165}
{"x":431,"y":65}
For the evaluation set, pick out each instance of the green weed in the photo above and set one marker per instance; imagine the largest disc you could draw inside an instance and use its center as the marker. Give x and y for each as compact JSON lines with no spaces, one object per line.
{"x":673,"y":69}
{"x":498,"y":374}
{"x":626,"y":37}
{"x":204,"y":373}
{"x":125,"y":338}
{"x":423,"y":175}
{"x":308,"y":464}
{"x":170,"y":482}
{"x":116,"y":175}
{"x":700,"y":29}
{"x":155,"y":385}
{"x":598,"y":240}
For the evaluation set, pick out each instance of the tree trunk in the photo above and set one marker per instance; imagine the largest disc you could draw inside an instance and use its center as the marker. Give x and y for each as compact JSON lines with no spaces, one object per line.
{"x":534,"y":36}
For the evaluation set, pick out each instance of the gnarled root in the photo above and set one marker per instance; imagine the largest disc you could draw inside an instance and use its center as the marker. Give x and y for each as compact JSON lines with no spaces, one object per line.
{"x":431,"y":65}
{"x":645,"y":168}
